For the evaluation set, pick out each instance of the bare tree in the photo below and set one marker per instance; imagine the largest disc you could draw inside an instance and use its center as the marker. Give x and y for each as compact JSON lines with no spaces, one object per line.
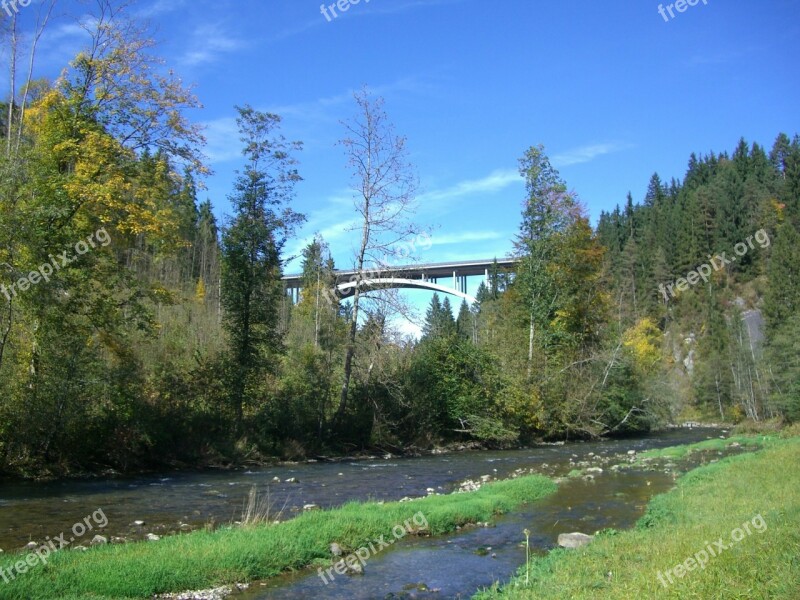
{"x":12,"y":77}
{"x":384,"y":188}
{"x":43,"y":17}
{"x":45,"y":12}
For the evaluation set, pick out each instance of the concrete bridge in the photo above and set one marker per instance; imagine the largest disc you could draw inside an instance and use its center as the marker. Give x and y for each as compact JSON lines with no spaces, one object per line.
{"x":416,"y":276}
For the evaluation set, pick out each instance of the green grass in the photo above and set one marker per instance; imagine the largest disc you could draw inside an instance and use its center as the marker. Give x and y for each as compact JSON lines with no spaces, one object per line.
{"x":204,"y":559}
{"x":712,"y":445}
{"x":708,"y":503}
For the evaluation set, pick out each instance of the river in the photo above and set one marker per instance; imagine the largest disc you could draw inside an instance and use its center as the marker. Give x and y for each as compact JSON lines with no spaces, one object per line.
{"x":451,"y":566}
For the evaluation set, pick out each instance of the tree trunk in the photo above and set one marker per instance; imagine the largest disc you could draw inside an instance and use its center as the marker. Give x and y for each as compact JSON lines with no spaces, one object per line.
{"x":351,"y":336}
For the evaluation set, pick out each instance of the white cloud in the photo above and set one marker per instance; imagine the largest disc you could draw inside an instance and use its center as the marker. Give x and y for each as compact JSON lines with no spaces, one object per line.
{"x":207,"y":43}
{"x":222,"y":137}
{"x":587,"y":153}
{"x":398,"y":6}
{"x":160,"y":7}
{"x":494,"y":182}
{"x":309,"y":120}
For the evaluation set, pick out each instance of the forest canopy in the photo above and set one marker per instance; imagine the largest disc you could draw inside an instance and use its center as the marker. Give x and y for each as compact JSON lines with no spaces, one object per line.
{"x":175,"y":342}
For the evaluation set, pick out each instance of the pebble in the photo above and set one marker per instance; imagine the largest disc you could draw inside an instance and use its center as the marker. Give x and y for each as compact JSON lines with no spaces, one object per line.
{"x":210,"y":594}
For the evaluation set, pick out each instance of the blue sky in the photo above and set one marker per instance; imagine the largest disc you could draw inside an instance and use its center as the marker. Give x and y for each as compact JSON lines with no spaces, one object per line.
{"x":612,"y":90}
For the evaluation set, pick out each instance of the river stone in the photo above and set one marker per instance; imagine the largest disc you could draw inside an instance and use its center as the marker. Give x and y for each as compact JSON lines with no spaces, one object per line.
{"x":355,"y":569}
{"x":310,"y":507}
{"x":99,"y":540}
{"x":336,"y":549}
{"x":574,"y":540}
{"x":211,"y":594}
{"x":138,"y":523}
{"x":291,"y":480}
{"x":152,"y":537}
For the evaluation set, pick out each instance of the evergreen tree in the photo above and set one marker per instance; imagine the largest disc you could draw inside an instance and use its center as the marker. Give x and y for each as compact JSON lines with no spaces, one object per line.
{"x":465,"y":322}
{"x":448,"y":323}
{"x":783,"y":364}
{"x":712,"y":377}
{"x":251,"y":249}
{"x":782,"y":299}
{"x":433,"y":318}
{"x":549,"y":211}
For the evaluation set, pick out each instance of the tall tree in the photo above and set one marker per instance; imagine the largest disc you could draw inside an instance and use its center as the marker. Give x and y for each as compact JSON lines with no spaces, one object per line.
{"x":384,"y":187}
{"x":251,"y":248}
{"x":548,"y":212}
{"x":782,"y":299}
{"x":465,"y":322}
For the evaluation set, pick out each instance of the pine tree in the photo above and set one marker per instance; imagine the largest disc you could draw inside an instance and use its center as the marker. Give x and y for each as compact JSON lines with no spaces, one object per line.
{"x":465,"y":322}
{"x":783,"y":364}
{"x":431,"y":328}
{"x":448,"y":323}
{"x":549,"y":211}
{"x":712,"y":377}
{"x":782,"y":299}
{"x":251,"y":249}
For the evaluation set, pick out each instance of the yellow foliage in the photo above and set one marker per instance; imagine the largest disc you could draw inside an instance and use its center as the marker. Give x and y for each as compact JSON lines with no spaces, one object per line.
{"x":643,"y":341}
{"x":200,"y":291}
{"x":94,"y":169}
{"x":524,"y":407}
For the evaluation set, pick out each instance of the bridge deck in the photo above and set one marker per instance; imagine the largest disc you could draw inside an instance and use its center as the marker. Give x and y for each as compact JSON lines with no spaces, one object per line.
{"x":428,"y":271}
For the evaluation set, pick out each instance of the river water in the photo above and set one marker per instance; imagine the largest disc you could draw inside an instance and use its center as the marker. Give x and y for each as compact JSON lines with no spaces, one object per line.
{"x":453,"y":566}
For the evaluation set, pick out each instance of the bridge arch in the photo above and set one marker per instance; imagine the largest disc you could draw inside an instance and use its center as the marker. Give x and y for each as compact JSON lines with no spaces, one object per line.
{"x":413,"y":276}
{"x":347,"y":288}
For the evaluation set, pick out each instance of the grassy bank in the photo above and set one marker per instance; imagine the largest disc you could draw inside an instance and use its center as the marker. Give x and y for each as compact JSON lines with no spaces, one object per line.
{"x":709,"y":503}
{"x":713,"y":445}
{"x":204,"y":559}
